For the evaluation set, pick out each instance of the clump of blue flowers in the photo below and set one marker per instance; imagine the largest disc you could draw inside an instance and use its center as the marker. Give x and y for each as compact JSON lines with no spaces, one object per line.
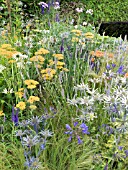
{"x":76,"y":131}
{"x":33,"y":138}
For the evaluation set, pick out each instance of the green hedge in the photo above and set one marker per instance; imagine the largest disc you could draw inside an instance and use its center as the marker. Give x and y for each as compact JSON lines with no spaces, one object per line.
{"x":108,"y":10}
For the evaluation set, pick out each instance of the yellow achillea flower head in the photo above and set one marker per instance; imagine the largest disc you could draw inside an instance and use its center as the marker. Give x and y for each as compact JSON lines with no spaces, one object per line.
{"x":38,"y":66}
{"x":11,"y":61}
{"x":89,"y":35}
{"x":19,"y":94}
{"x":51,"y":62}
{"x":58,"y":56}
{"x":59,"y":67}
{"x":77,"y":31}
{"x":33,"y":99}
{"x":75,"y":39}
{"x":37,"y":58}
{"x":47,"y":76}
{"x":48,"y":73}
{"x":59,"y":63}
{"x":7,"y":52}
{"x":6,"y":46}
{"x":1,"y":113}
{"x":31,"y":84}
{"x":21,"y":105}
{"x":21,"y":89}
{"x":33,"y":107}
{"x":41,"y":51}
{"x":77,"y":35}
{"x":65,"y":69}
{"x":43,"y":71}
{"x":34,"y":58}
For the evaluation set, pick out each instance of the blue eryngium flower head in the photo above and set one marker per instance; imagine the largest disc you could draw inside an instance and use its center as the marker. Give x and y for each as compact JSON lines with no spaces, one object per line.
{"x":42,"y":146}
{"x":30,"y":141}
{"x":33,"y":163}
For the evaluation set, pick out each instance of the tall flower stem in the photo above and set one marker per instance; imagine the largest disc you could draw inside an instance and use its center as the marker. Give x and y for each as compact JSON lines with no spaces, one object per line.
{"x":8,"y":3}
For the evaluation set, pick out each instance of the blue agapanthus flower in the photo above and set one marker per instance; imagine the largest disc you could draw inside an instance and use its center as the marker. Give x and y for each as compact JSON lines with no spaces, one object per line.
{"x":76,"y":131}
{"x":120,"y":70}
{"x":84,"y":128}
{"x":126,"y":153}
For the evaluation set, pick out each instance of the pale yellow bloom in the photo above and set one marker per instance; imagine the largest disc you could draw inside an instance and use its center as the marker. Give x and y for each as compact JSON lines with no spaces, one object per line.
{"x":47,"y":76}
{"x":59,"y":67}
{"x":51,"y":62}
{"x":31,"y":84}
{"x":21,"y":89}
{"x":48,"y":73}
{"x":89,"y":35}
{"x":58,"y":56}
{"x":6,"y":46}
{"x":19,"y":94}
{"x":75,"y":39}
{"x":43,"y":71}
{"x":77,"y":35}
{"x":38,"y":66}
{"x":21,"y":105}
{"x":77,"y":31}
{"x":11,"y":61}
{"x":65,"y":69}
{"x":33,"y":107}
{"x":37,"y":58}
{"x":41,"y":51}
{"x":1,"y":113}
{"x":33,"y":99}
{"x":59,"y":63}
